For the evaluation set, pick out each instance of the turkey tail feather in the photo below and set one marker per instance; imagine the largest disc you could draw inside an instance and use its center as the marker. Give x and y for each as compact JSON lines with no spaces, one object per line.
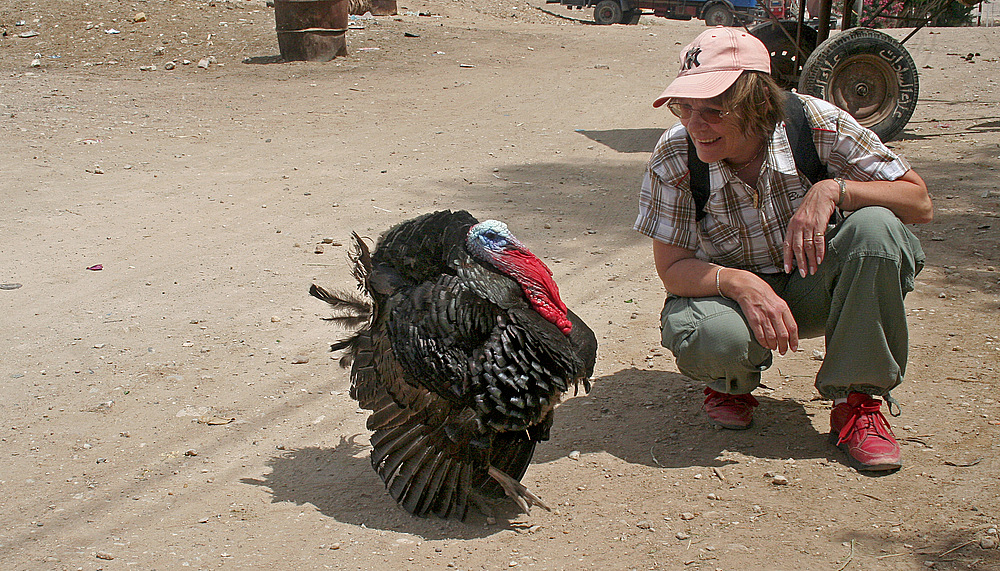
{"x":356,"y":310}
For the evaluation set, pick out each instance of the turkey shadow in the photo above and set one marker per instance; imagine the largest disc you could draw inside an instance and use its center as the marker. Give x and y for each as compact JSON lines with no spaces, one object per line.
{"x":341,"y":484}
{"x":625,"y":140}
{"x":654,"y":418}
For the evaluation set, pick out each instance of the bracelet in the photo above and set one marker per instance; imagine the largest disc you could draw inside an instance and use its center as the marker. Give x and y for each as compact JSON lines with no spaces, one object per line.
{"x":843,"y":191}
{"x":718,"y":286}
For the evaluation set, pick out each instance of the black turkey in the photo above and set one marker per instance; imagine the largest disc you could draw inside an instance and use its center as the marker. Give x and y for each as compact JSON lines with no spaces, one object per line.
{"x":465,"y":350}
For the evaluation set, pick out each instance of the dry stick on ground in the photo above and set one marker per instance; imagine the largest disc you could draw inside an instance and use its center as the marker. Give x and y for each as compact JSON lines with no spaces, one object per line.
{"x":957,"y":547}
{"x":849,"y":556}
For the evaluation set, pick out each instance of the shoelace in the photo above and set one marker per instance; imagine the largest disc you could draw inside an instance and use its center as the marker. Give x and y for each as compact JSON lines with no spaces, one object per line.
{"x":726,"y":398}
{"x":867,"y":413}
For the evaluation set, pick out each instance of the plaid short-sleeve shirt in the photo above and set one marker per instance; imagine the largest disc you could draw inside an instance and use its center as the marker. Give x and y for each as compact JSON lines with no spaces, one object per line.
{"x":744,"y":227}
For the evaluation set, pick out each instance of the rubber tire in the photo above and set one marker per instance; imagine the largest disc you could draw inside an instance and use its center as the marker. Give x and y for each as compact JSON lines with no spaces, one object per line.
{"x":631,"y":17}
{"x":608,"y":12}
{"x":786,"y":65}
{"x":868,"y":74}
{"x":718,"y":15}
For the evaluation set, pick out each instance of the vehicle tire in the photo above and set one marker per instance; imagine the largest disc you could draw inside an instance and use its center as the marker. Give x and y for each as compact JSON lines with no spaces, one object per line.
{"x":608,"y":12}
{"x":718,"y":15}
{"x":868,"y":74}
{"x":631,"y":17}
{"x":786,"y":62}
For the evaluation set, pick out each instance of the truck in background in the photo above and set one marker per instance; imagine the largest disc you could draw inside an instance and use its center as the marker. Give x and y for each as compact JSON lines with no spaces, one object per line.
{"x":713,"y":12}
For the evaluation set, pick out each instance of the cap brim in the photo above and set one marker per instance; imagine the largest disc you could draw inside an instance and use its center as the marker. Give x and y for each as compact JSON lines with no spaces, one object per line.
{"x":699,"y":85}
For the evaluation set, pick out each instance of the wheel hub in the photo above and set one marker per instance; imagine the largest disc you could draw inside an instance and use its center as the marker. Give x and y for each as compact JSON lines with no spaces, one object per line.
{"x":866,"y":87}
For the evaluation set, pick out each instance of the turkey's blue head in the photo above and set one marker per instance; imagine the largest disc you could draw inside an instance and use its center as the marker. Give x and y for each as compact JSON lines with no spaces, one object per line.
{"x":491,"y":242}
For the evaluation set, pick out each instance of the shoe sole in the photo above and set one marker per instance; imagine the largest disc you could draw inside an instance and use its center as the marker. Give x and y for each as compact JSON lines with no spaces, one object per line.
{"x":860,"y":466}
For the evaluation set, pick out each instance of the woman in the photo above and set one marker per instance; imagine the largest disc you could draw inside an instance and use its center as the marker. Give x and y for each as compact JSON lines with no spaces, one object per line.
{"x":764,"y":266}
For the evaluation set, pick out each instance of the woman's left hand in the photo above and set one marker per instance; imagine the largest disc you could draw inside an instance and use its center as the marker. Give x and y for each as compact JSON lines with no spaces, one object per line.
{"x":805,"y":241}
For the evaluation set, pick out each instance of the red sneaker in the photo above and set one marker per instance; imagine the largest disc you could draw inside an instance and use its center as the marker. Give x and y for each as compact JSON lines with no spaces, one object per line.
{"x":729,"y":411}
{"x":859,"y":429}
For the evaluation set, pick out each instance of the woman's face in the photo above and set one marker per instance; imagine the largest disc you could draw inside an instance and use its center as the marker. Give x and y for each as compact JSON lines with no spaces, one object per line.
{"x":715,"y":141}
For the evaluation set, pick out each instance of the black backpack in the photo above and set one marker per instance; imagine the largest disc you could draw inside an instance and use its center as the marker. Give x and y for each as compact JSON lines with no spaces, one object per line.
{"x":799,"y":137}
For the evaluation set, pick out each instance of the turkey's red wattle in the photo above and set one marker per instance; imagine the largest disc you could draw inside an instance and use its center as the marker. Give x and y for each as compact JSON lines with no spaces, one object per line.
{"x":536,"y":281}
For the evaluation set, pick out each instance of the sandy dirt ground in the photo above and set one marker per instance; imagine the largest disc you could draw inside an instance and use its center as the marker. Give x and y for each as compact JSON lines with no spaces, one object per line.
{"x":178,"y":408}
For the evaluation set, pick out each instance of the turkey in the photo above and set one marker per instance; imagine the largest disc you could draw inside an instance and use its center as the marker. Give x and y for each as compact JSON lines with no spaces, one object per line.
{"x":464,"y":349}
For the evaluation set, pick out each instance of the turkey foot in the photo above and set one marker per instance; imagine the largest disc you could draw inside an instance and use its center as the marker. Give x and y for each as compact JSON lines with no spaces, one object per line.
{"x":517,"y":491}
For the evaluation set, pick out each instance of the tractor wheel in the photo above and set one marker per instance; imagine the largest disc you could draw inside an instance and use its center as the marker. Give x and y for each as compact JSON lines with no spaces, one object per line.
{"x":868,"y":74}
{"x":786,"y":61}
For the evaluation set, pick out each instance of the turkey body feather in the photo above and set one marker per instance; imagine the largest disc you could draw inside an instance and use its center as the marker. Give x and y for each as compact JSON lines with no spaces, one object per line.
{"x":465,"y":350}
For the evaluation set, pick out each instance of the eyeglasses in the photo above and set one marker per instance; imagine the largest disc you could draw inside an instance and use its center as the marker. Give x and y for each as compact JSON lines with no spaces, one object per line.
{"x":709,"y":115}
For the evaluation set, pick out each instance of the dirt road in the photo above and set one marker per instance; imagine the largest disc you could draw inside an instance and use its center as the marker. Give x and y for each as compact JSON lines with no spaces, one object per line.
{"x":178,"y":408}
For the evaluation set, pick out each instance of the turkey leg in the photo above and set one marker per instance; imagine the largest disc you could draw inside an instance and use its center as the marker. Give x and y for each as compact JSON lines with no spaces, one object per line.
{"x":517,"y":491}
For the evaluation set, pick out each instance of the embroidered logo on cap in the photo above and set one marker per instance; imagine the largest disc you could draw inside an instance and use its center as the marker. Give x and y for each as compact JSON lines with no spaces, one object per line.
{"x":691,"y":59}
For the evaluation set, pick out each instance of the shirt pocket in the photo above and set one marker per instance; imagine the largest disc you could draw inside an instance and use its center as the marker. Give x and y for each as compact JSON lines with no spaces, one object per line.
{"x":724,"y":244}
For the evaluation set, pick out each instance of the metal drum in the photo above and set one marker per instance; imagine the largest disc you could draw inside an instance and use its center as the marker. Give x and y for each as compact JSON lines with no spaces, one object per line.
{"x":311,"y":30}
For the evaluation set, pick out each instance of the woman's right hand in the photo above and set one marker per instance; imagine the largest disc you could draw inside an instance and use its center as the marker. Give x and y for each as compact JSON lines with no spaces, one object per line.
{"x":769,"y":317}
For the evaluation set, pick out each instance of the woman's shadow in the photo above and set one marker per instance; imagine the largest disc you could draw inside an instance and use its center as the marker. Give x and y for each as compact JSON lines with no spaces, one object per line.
{"x":654,"y":418}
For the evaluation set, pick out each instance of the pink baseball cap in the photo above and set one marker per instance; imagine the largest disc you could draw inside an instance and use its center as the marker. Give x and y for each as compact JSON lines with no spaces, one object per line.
{"x":713,"y":61}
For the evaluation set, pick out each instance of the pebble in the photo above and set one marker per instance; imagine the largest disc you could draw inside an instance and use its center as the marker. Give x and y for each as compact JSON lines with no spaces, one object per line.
{"x":574,"y":455}
{"x":780,"y":480}
{"x":203,"y":63}
{"x":104,"y":555}
{"x":713,"y":497}
{"x":36,"y":62}
{"x":988,"y":543}
{"x":644,"y":524}
{"x":300,"y":359}
{"x":682,"y":536}
{"x":169,"y":65}
{"x":139,"y":17}
{"x":147,"y":68}
{"x":687,"y":516}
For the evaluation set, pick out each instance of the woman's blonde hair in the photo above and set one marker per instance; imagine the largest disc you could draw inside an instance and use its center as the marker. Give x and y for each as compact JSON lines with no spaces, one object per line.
{"x":756,"y":103}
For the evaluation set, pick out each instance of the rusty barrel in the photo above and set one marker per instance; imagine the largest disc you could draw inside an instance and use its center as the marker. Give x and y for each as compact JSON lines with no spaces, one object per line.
{"x":311,"y":30}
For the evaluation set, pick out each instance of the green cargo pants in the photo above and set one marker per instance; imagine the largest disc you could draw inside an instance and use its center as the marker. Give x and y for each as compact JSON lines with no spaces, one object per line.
{"x":855,"y":299}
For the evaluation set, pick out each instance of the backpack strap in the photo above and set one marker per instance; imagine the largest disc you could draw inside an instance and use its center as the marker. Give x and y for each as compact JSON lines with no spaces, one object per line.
{"x":799,"y":135}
